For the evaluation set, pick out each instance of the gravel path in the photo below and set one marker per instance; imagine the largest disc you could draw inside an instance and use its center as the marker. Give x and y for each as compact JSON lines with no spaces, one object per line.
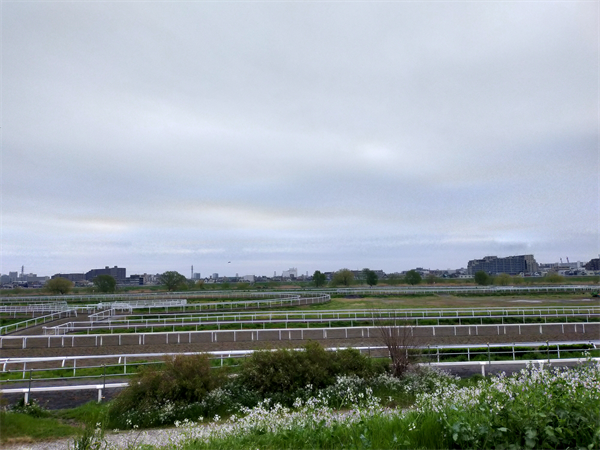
{"x":121,"y":440}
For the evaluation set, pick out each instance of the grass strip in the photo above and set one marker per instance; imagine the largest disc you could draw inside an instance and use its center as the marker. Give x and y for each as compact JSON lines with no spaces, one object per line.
{"x":19,"y":428}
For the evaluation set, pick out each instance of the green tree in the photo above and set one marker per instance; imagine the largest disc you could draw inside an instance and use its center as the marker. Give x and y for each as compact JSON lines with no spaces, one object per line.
{"x":59,"y":285}
{"x":370,"y":277}
{"x":342,"y":277}
{"x":199,"y":284}
{"x":412,"y":277}
{"x":105,"y":283}
{"x":319,"y":278}
{"x":502,"y":279}
{"x":172,"y":280}
{"x":482,"y":278}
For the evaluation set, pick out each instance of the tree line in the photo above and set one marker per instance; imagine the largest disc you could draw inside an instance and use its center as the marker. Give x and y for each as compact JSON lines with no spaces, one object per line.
{"x":345,"y":277}
{"x":174,"y":281}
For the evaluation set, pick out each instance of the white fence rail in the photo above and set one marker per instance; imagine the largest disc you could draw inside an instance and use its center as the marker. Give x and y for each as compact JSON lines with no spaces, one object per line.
{"x":497,"y":315}
{"x":121,"y":358}
{"x":149,"y":326}
{"x":34,"y":307}
{"x":287,"y":334}
{"x":36,"y":321}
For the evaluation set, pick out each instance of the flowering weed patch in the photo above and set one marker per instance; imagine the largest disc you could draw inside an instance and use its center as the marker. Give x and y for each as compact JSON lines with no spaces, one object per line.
{"x":539,"y":407}
{"x":345,"y":414}
{"x":536,"y":408}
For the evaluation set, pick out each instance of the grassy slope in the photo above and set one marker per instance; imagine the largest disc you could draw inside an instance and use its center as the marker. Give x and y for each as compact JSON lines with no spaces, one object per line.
{"x":16,"y":427}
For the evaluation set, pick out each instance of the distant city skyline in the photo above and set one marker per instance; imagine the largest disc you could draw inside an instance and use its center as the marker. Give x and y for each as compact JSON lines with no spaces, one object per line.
{"x":209,"y":271}
{"x":251,"y":137}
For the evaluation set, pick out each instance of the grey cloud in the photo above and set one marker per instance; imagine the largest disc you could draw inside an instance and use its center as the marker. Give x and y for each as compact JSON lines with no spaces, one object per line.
{"x":338,"y":131}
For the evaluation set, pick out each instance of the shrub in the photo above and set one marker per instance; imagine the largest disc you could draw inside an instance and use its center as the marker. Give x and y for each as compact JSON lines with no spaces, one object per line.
{"x":482,"y":278}
{"x":32,"y":408}
{"x":412,"y":277}
{"x":289,"y":371}
{"x":502,"y":279}
{"x":155,"y":395}
{"x":554,"y":278}
{"x":400,"y":344}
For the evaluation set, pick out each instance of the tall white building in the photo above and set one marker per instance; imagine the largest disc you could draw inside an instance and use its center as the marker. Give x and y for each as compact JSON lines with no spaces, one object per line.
{"x":291,"y":273}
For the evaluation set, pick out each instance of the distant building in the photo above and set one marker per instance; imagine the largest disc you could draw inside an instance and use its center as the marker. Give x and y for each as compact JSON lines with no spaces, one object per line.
{"x":290,"y":273}
{"x":74,"y":277}
{"x":136,"y":279}
{"x":563,"y":268}
{"x":118,"y":273}
{"x":594,"y":264}
{"x":31,"y":278}
{"x":512,"y":265}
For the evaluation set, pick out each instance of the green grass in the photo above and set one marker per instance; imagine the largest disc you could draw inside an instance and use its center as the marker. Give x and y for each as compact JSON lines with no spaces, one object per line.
{"x":10,"y":321}
{"x":17,"y":427}
{"x":85,"y":413}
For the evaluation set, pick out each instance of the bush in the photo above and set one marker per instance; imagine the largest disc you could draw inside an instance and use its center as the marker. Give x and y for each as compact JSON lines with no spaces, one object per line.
{"x":32,"y":408}
{"x":413,"y":277}
{"x":502,"y":279}
{"x":155,"y":396}
{"x":554,"y":278}
{"x":482,"y":278}
{"x":286,"y":372}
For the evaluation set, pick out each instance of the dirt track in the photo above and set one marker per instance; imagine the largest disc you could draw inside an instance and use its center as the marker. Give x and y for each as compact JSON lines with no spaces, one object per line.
{"x":486,"y":336}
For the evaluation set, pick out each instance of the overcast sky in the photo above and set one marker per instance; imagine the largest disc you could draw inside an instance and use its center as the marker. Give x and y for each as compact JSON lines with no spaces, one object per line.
{"x":316,"y":135}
